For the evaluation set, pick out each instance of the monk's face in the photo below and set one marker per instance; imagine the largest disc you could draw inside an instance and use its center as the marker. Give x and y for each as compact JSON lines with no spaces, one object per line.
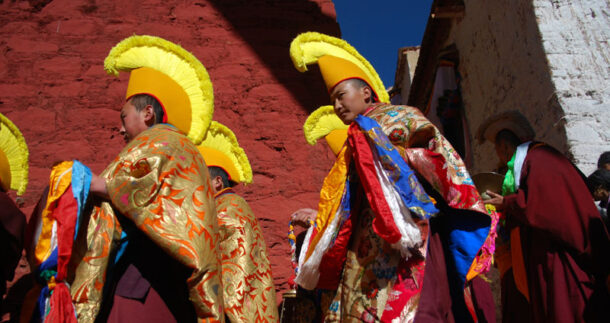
{"x":350,"y":100}
{"x":133,"y":121}
{"x":504,"y":151}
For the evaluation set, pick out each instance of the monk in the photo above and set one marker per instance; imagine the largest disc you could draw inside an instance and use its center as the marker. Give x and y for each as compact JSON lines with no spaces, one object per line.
{"x":157,"y":190}
{"x":248,"y":290}
{"x":560,"y":241}
{"x":13,"y":176}
{"x":249,"y":293}
{"x":12,"y":225}
{"x":385,"y":240}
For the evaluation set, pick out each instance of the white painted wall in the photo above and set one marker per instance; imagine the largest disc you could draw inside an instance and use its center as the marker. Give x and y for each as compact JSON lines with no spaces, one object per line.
{"x":549,"y":60}
{"x":504,"y":67}
{"x":575,"y":36}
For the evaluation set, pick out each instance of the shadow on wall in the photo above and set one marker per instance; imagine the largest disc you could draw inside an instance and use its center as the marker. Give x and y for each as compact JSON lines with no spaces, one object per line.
{"x":270,"y":34}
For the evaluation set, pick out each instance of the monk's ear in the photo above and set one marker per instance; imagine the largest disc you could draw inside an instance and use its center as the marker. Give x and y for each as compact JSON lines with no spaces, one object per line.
{"x":367,"y":94}
{"x":217,"y":183}
{"x":149,"y":114}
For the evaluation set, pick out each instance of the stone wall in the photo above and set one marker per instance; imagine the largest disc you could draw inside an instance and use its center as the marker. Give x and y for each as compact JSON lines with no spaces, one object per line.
{"x":54,"y":88}
{"x":503,"y":67}
{"x":575,"y":37}
{"x":546,"y":59}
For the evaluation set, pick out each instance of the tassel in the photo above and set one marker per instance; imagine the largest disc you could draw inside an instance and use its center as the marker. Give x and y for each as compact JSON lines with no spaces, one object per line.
{"x":61,"y":309}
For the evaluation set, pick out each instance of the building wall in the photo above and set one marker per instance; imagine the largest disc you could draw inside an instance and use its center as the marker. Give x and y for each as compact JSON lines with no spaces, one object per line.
{"x":575,"y":35}
{"x":547,"y":59}
{"x":503,"y":67}
{"x":54,"y":88}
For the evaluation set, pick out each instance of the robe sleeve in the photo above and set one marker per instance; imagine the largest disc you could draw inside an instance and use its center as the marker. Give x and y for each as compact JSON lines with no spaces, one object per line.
{"x":135,"y":183}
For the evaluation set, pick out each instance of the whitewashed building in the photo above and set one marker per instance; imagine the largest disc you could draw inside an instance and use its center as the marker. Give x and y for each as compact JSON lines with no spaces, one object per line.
{"x":548,"y":60}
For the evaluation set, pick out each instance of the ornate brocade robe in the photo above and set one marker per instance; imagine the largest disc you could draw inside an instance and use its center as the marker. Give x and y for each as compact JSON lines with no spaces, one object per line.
{"x":374,"y":281}
{"x":248,"y":290}
{"x":160,"y":182}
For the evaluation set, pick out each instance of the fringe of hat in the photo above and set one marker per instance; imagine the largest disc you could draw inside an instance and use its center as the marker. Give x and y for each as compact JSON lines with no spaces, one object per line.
{"x":15,"y":148}
{"x":320,"y":123}
{"x":221,"y":138}
{"x":308,"y":47}
{"x":177,"y":63}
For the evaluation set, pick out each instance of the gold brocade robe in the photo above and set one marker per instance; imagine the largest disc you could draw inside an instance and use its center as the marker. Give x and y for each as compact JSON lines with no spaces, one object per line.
{"x":248,"y":290}
{"x":161,"y":183}
{"x":375,"y":276}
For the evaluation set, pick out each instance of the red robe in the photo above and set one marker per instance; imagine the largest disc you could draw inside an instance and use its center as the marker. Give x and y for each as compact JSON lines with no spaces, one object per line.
{"x":12,"y":225}
{"x":564,"y":243}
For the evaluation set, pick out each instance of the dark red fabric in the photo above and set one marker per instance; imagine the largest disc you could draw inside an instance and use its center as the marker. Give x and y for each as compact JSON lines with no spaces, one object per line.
{"x":152,"y":309}
{"x":383,"y":223}
{"x":565,"y":244}
{"x":435,"y":303}
{"x":517,"y":307}
{"x":12,"y":224}
{"x":483,"y":301}
{"x":147,"y":285}
{"x":439,"y":301}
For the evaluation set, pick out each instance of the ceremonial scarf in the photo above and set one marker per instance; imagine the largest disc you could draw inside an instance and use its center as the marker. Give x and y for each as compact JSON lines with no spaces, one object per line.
{"x":375,"y":169}
{"x":510,"y":186}
{"x":68,"y":191}
{"x":391,"y":188}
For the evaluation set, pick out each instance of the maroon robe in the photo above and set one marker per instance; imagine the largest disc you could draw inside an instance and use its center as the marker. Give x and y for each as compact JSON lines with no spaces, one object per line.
{"x":441,"y":299}
{"x":149,"y":285}
{"x":564,"y":243}
{"x":438,"y":301}
{"x":12,"y":226}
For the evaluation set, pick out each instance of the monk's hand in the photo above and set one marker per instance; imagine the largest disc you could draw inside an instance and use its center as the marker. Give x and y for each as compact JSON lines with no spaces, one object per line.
{"x":303,"y":217}
{"x":98,"y":186}
{"x":496,"y":200}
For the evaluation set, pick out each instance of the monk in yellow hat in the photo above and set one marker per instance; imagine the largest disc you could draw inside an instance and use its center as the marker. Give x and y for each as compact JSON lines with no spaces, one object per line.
{"x":13,"y":176}
{"x":401,"y":232}
{"x":157,"y":208}
{"x":248,"y":290}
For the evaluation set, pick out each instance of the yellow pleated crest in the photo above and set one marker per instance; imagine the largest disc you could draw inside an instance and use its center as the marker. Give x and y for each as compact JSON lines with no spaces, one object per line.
{"x":14,"y":156}
{"x":221,"y":149}
{"x":187,"y":86}
{"x":307,"y":48}
{"x":324,"y":123}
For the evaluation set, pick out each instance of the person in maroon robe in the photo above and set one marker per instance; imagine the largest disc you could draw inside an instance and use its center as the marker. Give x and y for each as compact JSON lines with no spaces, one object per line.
{"x":12,"y":225}
{"x":564,"y":245}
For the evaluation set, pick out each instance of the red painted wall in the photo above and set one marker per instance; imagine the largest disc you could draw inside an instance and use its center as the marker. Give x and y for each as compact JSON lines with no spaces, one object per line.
{"x":54,"y":88}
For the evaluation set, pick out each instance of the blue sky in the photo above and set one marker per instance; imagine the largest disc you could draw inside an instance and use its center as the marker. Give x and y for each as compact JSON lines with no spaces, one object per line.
{"x":378,"y":28}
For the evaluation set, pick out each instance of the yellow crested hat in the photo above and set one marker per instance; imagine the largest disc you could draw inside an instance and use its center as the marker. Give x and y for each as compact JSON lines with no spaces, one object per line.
{"x":14,"y":156}
{"x":338,"y":61}
{"x":220,"y":149}
{"x":172,"y":75}
{"x":324,"y":123}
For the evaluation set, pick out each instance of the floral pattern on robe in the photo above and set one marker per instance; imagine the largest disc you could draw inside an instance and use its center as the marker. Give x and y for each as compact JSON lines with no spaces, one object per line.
{"x":248,"y":290}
